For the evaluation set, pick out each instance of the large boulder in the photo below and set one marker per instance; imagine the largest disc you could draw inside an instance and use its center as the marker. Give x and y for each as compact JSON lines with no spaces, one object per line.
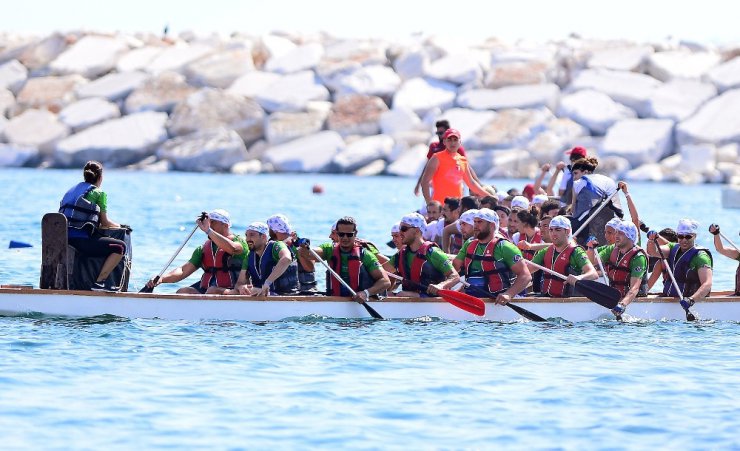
{"x":51,"y":93}
{"x":409,"y":162}
{"x":593,"y":109}
{"x":559,"y":133}
{"x":114,"y":86}
{"x":292,"y":93}
{"x":7,"y":102}
{"x":678,"y":99}
{"x":300,"y":58}
{"x":12,"y":155}
{"x":221,"y":69}
{"x":38,"y":55}
{"x":511,"y":163}
{"x":369,"y":80}
{"x":716,"y":122}
{"x":271,"y":46}
{"x":212,"y":108}
{"x":117,"y":142}
{"x":521,"y":96}
{"x":510,"y":129}
{"x":138,"y":59}
{"x":212,"y":150}
{"x":467,"y":122}
{"x":284,"y":127}
{"x":35,"y":128}
{"x":411,"y":64}
{"x":681,"y":64}
{"x":623,"y":58}
{"x":87,"y":112}
{"x":13,"y":75}
{"x":363,"y":152}
{"x":511,"y":73}
{"x":726,"y":75}
{"x":160,"y":93}
{"x":366,"y":52}
{"x":458,"y":68}
{"x":309,"y":154}
{"x":639,"y":141}
{"x":178,"y":56}
{"x":253,"y":83}
{"x":398,"y":120}
{"x":356,"y":115}
{"x":90,"y":57}
{"x":628,"y":88}
{"x":422,"y":95}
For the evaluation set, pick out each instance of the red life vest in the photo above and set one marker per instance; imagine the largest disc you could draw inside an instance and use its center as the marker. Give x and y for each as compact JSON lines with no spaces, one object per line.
{"x":553,"y":285}
{"x":421,"y":272}
{"x":495,"y":272}
{"x":456,"y":242}
{"x":215,"y":265}
{"x":354,"y":264}
{"x":618,"y":270}
{"x":536,"y":239}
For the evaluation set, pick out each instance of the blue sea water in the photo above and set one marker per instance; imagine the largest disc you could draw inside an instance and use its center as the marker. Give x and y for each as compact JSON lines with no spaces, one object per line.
{"x":313,"y":382}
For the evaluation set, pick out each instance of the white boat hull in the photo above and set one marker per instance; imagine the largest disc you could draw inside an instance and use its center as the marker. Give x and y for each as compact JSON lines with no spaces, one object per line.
{"x":25,"y":301}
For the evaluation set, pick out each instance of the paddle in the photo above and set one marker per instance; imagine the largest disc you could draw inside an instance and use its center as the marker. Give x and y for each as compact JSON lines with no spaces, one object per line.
{"x":728,"y":240}
{"x":369,"y":309}
{"x":603,"y":274}
{"x":147,"y":289}
{"x":604,"y":203}
{"x":689,"y":316}
{"x":599,"y":293}
{"x":520,"y":310}
{"x":460,"y":300}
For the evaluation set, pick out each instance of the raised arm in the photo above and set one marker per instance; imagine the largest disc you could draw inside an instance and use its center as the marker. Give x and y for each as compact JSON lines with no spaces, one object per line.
{"x":426,"y":178}
{"x":538,"y":181}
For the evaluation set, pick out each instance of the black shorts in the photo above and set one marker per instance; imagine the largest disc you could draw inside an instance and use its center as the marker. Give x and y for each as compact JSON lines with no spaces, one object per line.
{"x":98,"y":246}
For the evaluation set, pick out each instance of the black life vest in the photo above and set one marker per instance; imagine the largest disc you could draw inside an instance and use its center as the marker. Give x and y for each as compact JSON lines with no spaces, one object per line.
{"x":287,"y":283}
{"x":686,"y":278}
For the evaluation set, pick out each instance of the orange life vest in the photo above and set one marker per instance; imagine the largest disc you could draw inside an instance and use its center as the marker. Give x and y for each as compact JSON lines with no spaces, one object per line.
{"x":447,"y":180}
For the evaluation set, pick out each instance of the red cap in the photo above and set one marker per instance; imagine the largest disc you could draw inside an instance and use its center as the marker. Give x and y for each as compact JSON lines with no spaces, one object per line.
{"x":577,"y":151}
{"x":451,"y":132}
{"x":529,"y":191}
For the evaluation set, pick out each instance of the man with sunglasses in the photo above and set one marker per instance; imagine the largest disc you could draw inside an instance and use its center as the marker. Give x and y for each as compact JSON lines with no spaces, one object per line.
{"x":625,"y":264}
{"x":691,"y":264}
{"x":493,"y":266}
{"x":422,"y":264}
{"x":357,"y":266}
{"x":565,"y":257}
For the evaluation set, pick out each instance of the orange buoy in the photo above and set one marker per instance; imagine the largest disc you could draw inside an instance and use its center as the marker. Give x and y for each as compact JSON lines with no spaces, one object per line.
{"x":317,"y":189}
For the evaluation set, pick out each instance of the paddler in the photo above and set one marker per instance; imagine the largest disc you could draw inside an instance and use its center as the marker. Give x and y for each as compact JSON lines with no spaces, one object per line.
{"x":734,"y":253}
{"x":281,"y":230}
{"x":625,"y":264}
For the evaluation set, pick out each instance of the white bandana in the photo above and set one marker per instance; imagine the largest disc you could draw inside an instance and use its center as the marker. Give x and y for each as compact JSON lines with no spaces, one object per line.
{"x":279,"y":223}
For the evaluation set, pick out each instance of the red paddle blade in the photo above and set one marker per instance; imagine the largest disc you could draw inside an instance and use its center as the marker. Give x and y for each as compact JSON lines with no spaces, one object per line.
{"x":464,"y":301}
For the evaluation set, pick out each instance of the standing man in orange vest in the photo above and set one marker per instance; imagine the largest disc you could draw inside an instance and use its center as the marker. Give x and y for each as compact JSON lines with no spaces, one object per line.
{"x":447,"y":170}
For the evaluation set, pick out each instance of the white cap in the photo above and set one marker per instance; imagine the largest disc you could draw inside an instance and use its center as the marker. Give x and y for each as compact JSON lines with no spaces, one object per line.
{"x":279,"y":223}
{"x":560,"y":222}
{"x":539,"y":199}
{"x":520,"y":202}
{"x":220,"y":216}
{"x":686,"y":226}
{"x":501,"y":195}
{"x":468,"y":216}
{"x":613,"y":223}
{"x":487,"y":214}
{"x":415,"y":220}
{"x":629,"y":230}
{"x":259,"y":227}
{"x":396,"y":227}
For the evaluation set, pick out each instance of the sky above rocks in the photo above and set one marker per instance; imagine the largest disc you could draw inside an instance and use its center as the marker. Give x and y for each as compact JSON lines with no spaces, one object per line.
{"x":711,"y":21}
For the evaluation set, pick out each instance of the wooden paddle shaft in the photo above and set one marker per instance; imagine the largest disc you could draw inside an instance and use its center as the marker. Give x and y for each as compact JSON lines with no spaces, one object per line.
{"x":593,"y":215}
{"x":177,"y":252}
{"x":728,"y":240}
{"x":331,"y":271}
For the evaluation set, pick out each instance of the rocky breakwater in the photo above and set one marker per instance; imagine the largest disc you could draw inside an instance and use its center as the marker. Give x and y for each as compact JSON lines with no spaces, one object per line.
{"x":665,"y":111}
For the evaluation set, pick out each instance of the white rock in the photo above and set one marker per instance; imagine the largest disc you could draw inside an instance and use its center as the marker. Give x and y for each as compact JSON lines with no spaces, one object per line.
{"x":367,"y":52}
{"x":681,"y":64}
{"x":356,"y":114}
{"x":3,"y":123}
{"x":39,"y":55}
{"x":114,"y":86}
{"x":510,"y":163}
{"x":522,"y":96}
{"x":176,"y":57}
{"x":640,"y":141}
{"x":504,"y":74}
{"x":35,"y":128}
{"x":274,"y":46}
{"x":680,"y":98}
{"x":411,"y":64}
{"x":7,"y":101}
{"x":726,"y":75}
{"x":510,"y":129}
{"x":593,"y":109}
{"x":409,"y":162}
{"x":211,"y":108}
{"x":421,"y":95}
{"x":90,"y":57}
{"x":51,"y":93}
{"x":373,"y":168}
{"x":12,"y":155}
{"x":87,"y":112}
{"x":467,"y":122}
{"x":138,"y":59}
{"x":118,"y":142}
{"x":309,"y":154}
{"x":548,"y":146}
{"x":292,"y":93}
{"x":459,"y":68}
{"x":698,"y":158}
{"x":159,"y":93}
{"x":630,"y":89}
{"x":729,"y":153}
{"x":301,"y":58}
{"x":363,"y":151}
{"x":628,"y":59}
{"x":220,"y":69}
{"x":716,"y":122}
{"x":731,"y":196}
{"x":12,"y":76}
{"x":247,"y":167}
{"x":651,"y":172}
{"x":369,"y":80}
{"x":212,"y":150}
{"x":283,"y":127}
{"x":253,"y":83}
{"x":399,"y":120}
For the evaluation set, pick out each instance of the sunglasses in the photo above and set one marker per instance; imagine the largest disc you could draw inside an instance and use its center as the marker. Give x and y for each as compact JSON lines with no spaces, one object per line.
{"x":404,"y":228}
{"x":346,"y":234}
{"x":684,"y":237}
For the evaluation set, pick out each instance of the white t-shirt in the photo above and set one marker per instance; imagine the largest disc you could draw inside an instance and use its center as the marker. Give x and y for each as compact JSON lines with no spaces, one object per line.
{"x":434,"y":229}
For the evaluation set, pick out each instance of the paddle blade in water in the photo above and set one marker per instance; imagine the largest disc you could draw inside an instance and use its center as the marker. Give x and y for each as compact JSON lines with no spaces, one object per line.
{"x":601,"y":294}
{"x":464,"y":301}
{"x":526,"y":313}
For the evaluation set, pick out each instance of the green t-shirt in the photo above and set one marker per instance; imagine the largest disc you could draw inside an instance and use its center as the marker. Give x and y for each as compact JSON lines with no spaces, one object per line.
{"x":700,"y":260}
{"x":436,"y":257}
{"x":279,"y":246}
{"x":98,"y":197}
{"x":369,"y":260}
{"x":578,"y":259}
{"x":197,"y":258}
{"x":505,"y":251}
{"x":638,"y":265}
